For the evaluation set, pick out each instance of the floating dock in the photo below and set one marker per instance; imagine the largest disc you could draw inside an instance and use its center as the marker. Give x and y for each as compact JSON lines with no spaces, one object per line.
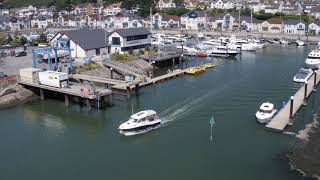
{"x":285,"y":115}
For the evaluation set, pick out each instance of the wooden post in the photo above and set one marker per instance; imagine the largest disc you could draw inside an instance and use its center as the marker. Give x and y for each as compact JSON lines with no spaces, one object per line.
{"x":88,"y":103}
{"x":305,"y":93}
{"x":180,"y":63}
{"x":137,"y":89}
{"x":41,"y":94}
{"x":291,"y":107}
{"x":173,"y":64}
{"x":66,"y":100}
{"x":315,"y":81}
{"x":128,"y":92}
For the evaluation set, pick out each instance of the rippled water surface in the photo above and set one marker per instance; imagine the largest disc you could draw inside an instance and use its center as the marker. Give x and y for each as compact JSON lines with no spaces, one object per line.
{"x":46,"y":140}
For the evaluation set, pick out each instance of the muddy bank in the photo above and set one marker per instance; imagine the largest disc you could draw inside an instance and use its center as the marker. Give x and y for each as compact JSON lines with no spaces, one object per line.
{"x":14,"y":95}
{"x":305,"y":156}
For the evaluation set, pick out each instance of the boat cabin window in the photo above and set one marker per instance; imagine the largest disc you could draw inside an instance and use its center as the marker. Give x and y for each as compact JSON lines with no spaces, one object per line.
{"x":311,"y":57}
{"x":151,"y":118}
{"x":265,"y":111}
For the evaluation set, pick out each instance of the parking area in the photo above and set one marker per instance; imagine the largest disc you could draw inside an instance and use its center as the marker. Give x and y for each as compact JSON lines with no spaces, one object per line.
{"x":11,"y":65}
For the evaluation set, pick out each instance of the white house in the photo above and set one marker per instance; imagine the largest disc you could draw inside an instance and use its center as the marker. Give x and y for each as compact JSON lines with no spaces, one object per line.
{"x":315,"y":11}
{"x":256,"y":6}
{"x":314,"y":27}
{"x":41,"y":22}
{"x":68,"y":20}
{"x":166,"y":4}
{"x":223,"y":21}
{"x":125,"y":20}
{"x":272,"y":8}
{"x":292,"y":26}
{"x":4,"y":12}
{"x":164,"y":21}
{"x":129,"y":40}
{"x":222,"y":4}
{"x":112,"y":9}
{"x":272,"y":25}
{"x":249,"y":23}
{"x":85,"y":43}
{"x":194,"y":20}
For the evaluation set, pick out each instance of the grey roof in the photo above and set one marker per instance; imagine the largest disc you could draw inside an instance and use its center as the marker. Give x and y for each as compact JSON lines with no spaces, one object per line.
{"x":248,"y":19}
{"x":133,"y":31}
{"x":197,"y":13}
{"x":292,"y":22}
{"x":4,"y":19}
{"x":88,"y":39}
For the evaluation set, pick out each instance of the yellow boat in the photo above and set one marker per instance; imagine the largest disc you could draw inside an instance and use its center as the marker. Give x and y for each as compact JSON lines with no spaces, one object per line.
{"x":196,"y":70}
{"x":209,"y":65}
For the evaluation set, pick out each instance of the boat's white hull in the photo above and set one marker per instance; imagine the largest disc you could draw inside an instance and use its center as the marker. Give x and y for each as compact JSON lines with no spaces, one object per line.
{"x":265,"y":117}
{"x":313,"y":63}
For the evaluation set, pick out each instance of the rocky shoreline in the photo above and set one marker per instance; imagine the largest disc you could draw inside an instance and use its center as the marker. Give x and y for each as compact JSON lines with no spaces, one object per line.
{"x":305,"y":156}
{"x":14,"y":95}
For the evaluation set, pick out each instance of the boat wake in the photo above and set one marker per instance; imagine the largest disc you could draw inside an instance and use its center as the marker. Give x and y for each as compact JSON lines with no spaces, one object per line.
{"x":189,"y":105}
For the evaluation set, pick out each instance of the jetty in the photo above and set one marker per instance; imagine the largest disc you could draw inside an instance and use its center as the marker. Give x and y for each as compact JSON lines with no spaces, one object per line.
{"x":285,"y":115}
{"x":75,"y":90}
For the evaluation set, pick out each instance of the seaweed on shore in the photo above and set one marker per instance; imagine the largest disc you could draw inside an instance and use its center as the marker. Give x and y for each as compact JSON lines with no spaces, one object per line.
{"x":305,"y":155}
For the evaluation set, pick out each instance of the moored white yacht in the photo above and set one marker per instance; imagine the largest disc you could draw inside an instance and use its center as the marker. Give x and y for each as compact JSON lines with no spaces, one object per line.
{"x":313,"y":59}
{"x":140,"y":122}
{"x":266,"y":112}
{"x":303,"y":75}
{"x":300,"y":43}
{"x":221,"y":51}
{"x":283,"y":41}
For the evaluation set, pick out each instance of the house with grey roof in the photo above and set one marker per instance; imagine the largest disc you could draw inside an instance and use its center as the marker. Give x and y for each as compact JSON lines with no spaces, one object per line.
{"x":223,"y":21}
{"x":85,"y":42}
{"x":125,"y":20}
{"x":315,"y":12}
{"x":41,"y":21}
{"x":293,"y":26}
{"x":314,"y":27}
{"x":194,"y":20}
{"x":129,"y":40}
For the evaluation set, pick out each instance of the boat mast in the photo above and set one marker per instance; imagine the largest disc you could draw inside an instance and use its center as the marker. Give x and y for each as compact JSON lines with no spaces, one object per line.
{"x":239,"y":18}
{"x":151,"y":24}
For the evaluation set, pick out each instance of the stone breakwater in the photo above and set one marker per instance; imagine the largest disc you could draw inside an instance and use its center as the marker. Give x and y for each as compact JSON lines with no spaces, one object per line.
{"x":305,"y":157}
{"x":15,"y":94}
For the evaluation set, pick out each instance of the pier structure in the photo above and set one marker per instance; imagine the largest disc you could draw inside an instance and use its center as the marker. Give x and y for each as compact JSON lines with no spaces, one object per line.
{"x":285,"y":115}
{"x":96,"y":97}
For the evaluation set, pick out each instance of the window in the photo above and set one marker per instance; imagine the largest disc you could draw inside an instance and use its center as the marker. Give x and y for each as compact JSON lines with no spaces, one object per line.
{"x":116,"y":41}
{"x":97,"y":51}
{"x":132,"y":38}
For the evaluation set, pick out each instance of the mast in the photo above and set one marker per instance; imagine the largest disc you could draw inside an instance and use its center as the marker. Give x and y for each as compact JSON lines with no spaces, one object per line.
{"x":151,"y":20}
{"x":239,"y":18}
{"x":251,"y":20}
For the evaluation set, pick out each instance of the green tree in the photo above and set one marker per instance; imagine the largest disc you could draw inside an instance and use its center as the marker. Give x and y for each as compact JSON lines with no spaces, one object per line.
{"x":16,"y":41}
{"x":23,"y":40}
{"x":2,"y":39}
{"x":42,"y":38}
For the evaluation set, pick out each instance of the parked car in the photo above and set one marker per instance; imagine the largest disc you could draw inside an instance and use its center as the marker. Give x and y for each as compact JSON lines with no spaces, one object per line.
{"x":3,"y":75}
{"x":19,"y":54}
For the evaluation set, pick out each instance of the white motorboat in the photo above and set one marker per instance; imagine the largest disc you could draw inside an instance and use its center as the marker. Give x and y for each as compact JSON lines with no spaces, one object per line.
{"x":140,"y":122}
{"x":283,"y":41}
{"x":303,"y":75}
{"x":221,"y":51}
{"x":266,"y":112}
{"x":300,"y":43}
{"x":275,"y":41}
{"x":200,"y":35}
{"x":313,"y":59}
{"x":244,"y":45}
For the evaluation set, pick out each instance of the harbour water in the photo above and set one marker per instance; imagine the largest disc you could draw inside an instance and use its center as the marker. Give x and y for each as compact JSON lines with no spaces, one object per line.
{"x":46,"y":140}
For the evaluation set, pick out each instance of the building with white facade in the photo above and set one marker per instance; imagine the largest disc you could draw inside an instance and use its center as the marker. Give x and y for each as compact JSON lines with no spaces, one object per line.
{"x":314,"y":27}
{"x":165,"y":4}
{"x":194,"y":20}
{"x":292,"y":26}
{"x":129,"y":40}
